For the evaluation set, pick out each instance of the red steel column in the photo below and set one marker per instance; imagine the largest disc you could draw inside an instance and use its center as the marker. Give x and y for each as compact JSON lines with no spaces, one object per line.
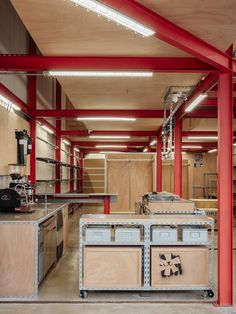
{"x":225,"y":190}
{"x":32,"y":103}
{"x":178,"y":157}
{"x":106,"y":205}
{"x":72,"y":168}
{"x":58,"y":138}
{"x":158,"y":165}
{"x":80,"y":181}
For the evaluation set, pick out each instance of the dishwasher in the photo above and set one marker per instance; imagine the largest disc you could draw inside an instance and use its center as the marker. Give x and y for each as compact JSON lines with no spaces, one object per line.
{"x":47,"y":246}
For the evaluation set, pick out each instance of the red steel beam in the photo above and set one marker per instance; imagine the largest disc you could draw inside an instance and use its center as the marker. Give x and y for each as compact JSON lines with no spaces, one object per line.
{"x":4,"y":91}
{"x":74,"y":113}
{"x":84,"y":133}
{"x":132,"y":113}
{"x":96,"y":150}
{"x":202,"y":87}
{"x":94,"y":144}
{"x":173,"y":34}
{"x":202,"y":133}
{"x":29,"y":63}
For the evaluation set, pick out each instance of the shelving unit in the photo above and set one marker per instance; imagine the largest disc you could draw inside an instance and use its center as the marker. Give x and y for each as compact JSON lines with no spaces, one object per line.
{"x":145,"y":224}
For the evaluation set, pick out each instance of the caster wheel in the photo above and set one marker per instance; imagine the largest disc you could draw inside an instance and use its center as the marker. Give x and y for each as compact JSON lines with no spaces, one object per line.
{"x":83,"y":294}
{"x":210,"y":293}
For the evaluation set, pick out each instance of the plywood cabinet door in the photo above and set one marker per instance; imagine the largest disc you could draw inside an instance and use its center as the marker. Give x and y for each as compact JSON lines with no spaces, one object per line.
{"x":118,"y":182}
{"x":141,"y":180}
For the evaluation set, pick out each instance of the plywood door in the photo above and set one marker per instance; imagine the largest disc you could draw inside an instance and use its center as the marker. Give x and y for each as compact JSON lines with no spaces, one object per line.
{"x":112,"y":267}
{"x":194,"y":274}
{"x":141,"y":180}
{"x":167,"y":177}
{"x":17,"y":262}
{"x":118,"y":182}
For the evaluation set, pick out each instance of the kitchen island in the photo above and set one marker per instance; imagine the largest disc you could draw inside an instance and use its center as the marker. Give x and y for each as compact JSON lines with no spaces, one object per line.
{"x":19,"y":247}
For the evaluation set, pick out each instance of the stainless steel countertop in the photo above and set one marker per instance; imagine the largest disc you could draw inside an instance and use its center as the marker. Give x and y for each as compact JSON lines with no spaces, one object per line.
{"x":41,"y":213}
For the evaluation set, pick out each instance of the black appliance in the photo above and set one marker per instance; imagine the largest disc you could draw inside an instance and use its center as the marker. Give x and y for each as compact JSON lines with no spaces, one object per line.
{"x":10,"y":200}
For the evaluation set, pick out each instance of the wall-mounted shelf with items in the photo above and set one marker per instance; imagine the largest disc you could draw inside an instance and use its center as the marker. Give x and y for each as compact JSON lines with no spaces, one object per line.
{"x":162,"y":250}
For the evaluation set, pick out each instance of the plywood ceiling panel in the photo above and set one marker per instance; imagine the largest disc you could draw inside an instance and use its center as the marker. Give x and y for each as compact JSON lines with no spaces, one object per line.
{"x":212,"y":20}
{"x":138,"y":125}
{"x":61,"y":28}
{"x":125,"y":93}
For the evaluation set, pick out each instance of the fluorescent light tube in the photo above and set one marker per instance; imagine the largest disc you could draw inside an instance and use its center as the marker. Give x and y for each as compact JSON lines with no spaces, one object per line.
{"x":212,"y":150}
{"x":109,"y":137}
{"x":76,"y":150}
{"x":111,"y":146}
{"x":202,"y":137}
{"x":7,"y":104}
{"x":109,"y":152}
{"x":145,"y":150}
{"x":47,"y":129}
{"x":99,"y":73}
{"x":153,"y":142}
{"x":195,"y":102}
{"x":191,"y":146}
{"x":105,"y":119}
{"x":115,"y":16}
{"x":66,"y":142}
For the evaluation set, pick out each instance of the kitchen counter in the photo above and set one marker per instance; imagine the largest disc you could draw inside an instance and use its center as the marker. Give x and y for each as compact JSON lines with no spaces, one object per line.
{"x":41,"y":213}
{"x":20,"y":248}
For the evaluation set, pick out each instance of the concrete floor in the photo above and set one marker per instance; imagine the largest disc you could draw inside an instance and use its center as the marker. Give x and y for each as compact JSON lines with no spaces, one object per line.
{"x":61,"y":292}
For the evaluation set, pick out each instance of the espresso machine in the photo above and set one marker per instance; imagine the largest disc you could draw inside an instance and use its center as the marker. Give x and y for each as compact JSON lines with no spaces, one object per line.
{"x":19,"y":196}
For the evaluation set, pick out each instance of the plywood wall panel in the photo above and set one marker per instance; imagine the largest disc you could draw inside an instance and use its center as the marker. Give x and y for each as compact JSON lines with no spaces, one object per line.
{"x":9,"y":122}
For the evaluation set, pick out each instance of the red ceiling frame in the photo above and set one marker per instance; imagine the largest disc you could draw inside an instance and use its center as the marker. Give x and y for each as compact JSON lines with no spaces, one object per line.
{"x":94,"y":143}
{"x":84,"y":133}
{"x":99,"y":113}
{"x":4,"y":91}
{"x":131,"y":113}
{"x":204,"y":86}
{"x":97,"y":150}
{"x":29,"y":63}
{"x":173,"y":34}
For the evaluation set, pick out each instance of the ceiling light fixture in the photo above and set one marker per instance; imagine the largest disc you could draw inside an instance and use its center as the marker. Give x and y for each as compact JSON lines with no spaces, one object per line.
{"x":105,"y":119}
{"x":145,"y":150}
{"x":202,"y":137}
{"x":76,"y":150}
{"x":47,"y":129}
{"x":191,"y":146}
{"x":66,"y":142}
{"x":7,"y":104}
{"x":109,"y":137}
{"x":98,"y":73}
{"x":212,"y":150}
{"x":109,"y":152}
{"x":115,"y":16}
{"x":153,"y":142}
{"x":111,"y":146}
{"x":196,"y":102}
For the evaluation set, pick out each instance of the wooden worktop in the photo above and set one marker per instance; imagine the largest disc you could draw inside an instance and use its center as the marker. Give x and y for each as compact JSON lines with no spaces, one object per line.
{"x":40,"y":214}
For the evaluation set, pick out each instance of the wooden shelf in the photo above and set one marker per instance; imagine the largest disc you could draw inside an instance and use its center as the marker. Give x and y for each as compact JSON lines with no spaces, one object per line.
{"x":47,"y":160}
